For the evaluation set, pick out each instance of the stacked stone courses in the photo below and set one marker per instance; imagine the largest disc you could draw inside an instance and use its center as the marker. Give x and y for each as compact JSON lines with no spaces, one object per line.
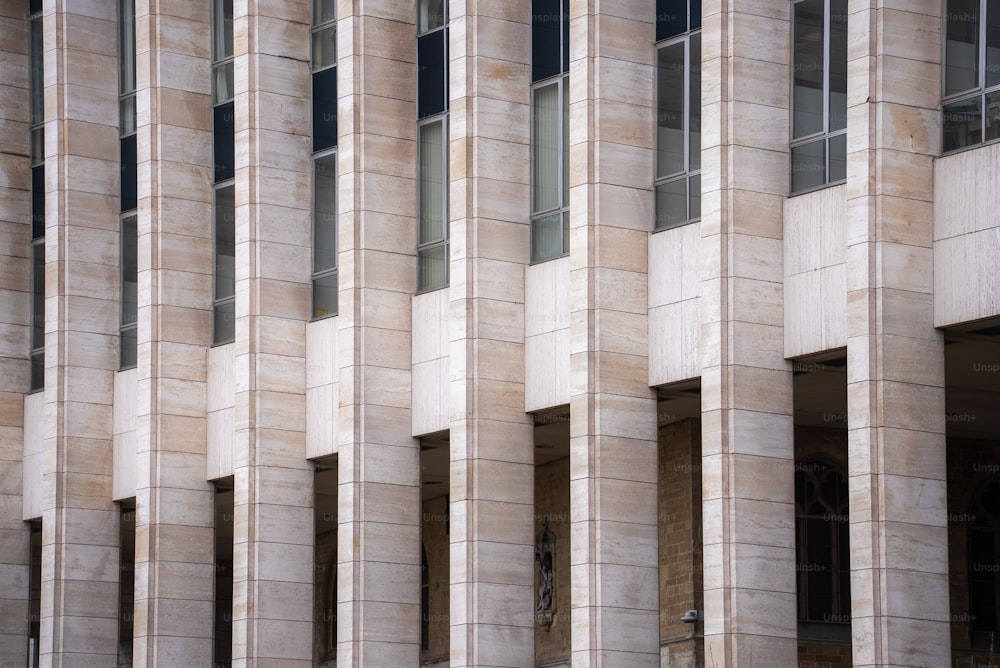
{"x":618,"y":456}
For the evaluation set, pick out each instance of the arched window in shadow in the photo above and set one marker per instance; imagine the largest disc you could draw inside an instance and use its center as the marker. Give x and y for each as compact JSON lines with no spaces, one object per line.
{"x":822,"y":543}
{"x":984,"y":564}
{"x":425,"y":602}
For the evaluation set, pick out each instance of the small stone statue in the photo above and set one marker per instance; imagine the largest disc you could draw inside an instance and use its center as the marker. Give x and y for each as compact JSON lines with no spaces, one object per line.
{"x":544,"y":545}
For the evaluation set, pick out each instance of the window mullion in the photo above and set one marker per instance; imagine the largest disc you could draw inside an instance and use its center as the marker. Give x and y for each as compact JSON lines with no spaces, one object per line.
{"x":826,"y":67}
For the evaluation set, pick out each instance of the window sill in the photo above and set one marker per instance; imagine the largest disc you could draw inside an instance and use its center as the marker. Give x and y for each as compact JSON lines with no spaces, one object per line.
{"x":817,"y":188}
{"x":675,"y":225}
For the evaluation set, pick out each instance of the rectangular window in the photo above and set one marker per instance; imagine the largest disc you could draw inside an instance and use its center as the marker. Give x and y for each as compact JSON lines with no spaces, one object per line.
{"x":432,"y":145}
{"x":432,"y":247}
{"x":678,"y":113}
{"x":36,"y":95}
{"x":819,"y":94}
{"x":129,"y":290}
{"x":324,"y":115}
{"x":225,"y":263}
{"x":128,"y":268}
{"x":224,"y":135}
{"x":549,"y":129}
{"x":324,"y":74}
{"x":972,"y":73}
{"x":325,"y":236}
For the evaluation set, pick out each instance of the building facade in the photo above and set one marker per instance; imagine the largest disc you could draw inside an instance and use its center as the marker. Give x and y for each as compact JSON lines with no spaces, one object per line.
{"x":527,"y":333}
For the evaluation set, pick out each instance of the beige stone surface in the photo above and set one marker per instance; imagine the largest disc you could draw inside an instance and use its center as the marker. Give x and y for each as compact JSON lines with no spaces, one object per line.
{"x":881,"y":270}
{"x":490,"y":435}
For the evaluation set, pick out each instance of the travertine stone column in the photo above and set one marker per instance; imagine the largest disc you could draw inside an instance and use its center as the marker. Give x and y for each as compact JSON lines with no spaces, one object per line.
{"x":273,"y":500}
{"x":612,"y":409}
{"x":492,"y":447}
{"x":378,"y":611}
{"x":15,"y":286}
{"x":747,"y":440}
{"x":174,"y":551}
{"x":79,"y":598}
{"x":895,"y":357}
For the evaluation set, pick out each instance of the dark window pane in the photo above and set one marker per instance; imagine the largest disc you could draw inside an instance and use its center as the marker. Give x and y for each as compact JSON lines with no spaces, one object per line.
{"x":808,"y":166}
{"x":807,"y":63}
{"x":670,"y":110}
{"x":546,"y":52}
{"x":838,"y":65}
{"x":129,"y":176}
{"x":961,"y":46}
{"x":963,"y":124}
{"x":671,"y":204}
{"x":38,"y":295}
{"x":694,"y":197}
{"x":129,"y":271}
{"x":128,"y":346}
{"x":838,"y":158}
{"x":695,"y":14}
{"x":992,"y":44}
{"x":37,"y":82}
{"x":694,"y":104}
{"x":34,"y":6}
{"x":224,"y":322}
{"x":325,"y":296}
{"x":225,"y":242}
{"x":671,"y":18}
{"x":324,"y":112}
{"x":37,"y":201}
{"x":432,"y":74}
{"x":37,"y":370}
{"x":225,"y":142}
{"x":992,"y":116}
{"x":564,"y":22}
{"x":325,"y":214}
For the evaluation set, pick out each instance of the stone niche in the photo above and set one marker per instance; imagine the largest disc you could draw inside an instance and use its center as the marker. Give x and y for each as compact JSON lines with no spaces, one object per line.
{"x":553,"y":625}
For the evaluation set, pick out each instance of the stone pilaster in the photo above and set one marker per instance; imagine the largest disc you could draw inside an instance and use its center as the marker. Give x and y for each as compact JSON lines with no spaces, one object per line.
{"x":15,"y":286}
{"x":79,"y":598}
{"x":613,"y":437}
{"x":273,"y":507}
{"x":174,"y":551}
{"x":378,"y":611}
{"x":895,"y":357}
{"x":492,"y":447}
{"x":747,"y":439}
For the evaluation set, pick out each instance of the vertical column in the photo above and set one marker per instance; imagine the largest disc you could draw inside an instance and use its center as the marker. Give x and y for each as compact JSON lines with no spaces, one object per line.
{"x":273,"y":528}
{"x":747,"y":433}
{"x":896,"y":437}
{"x":378,"y":611}
{"x":15,"y":287}
{"x":79,"y":601}
{"x":613,"y":437}
{"x":492,"y":447}
{"x":174,"y":552}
